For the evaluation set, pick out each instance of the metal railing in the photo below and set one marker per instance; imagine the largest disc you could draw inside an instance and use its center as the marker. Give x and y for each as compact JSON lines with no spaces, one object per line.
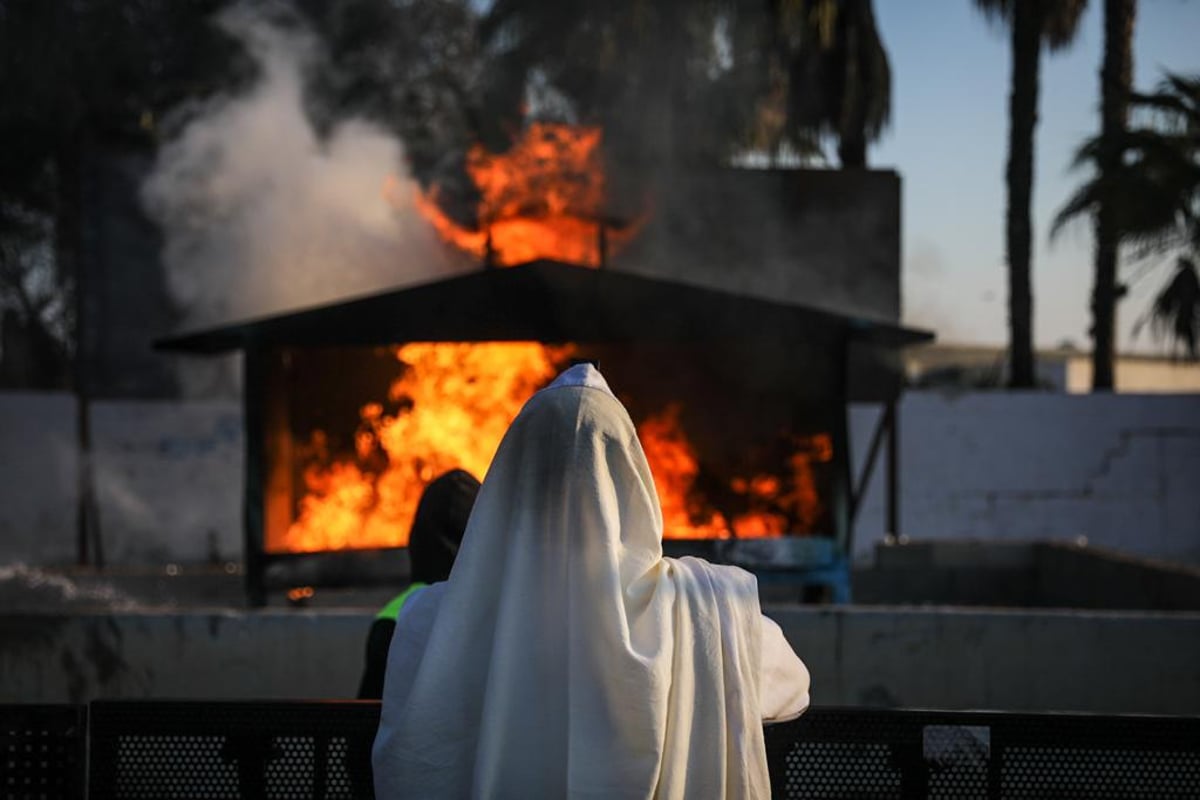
{"x":856,"y":752}
{"x":152,"y":749}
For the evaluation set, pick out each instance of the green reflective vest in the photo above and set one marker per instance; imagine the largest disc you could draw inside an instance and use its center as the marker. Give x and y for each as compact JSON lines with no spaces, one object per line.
{"x":392,"y":609}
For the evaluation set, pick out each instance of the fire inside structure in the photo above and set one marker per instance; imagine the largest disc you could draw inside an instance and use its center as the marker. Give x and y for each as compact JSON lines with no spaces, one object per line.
{"x":447,"y":405}
{"x":353,"y":408}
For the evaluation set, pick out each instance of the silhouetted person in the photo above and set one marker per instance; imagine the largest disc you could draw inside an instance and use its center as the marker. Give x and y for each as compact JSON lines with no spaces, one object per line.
{"x":433,"y":542}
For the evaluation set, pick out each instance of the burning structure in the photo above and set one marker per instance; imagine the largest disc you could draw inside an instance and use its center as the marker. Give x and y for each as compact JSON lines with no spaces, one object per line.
{"x":351,"y":409}
{"x":687,"y":298}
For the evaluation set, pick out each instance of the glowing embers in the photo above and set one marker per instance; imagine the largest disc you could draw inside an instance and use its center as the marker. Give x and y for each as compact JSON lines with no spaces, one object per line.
{"x":544,"y":198}
{"x":356,"y":483}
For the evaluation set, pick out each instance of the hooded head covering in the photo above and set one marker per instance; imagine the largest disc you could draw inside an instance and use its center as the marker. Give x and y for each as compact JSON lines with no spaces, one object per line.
{"x":438,"y":526}
{"x":566,"y":656}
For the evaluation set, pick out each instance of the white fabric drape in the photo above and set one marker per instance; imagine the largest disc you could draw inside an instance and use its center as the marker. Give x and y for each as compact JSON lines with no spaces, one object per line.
{"x":566,"y":657}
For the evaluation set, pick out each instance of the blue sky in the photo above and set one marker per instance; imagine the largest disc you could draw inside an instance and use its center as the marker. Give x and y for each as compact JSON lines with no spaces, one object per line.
{"x":948,"y":140}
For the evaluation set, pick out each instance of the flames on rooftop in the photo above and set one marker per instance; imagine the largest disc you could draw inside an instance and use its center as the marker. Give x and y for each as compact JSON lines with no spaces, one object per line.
{"x":546,"y":197}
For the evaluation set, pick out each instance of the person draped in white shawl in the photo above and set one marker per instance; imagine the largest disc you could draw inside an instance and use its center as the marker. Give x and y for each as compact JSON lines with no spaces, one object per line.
{"x":565,"y":656}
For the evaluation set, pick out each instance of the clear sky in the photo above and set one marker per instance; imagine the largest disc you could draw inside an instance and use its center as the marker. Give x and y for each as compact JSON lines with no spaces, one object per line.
{"x":948,"y":139}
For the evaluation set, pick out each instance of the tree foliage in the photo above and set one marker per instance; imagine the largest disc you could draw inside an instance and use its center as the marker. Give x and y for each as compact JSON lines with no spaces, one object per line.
{"x":692,"y":81}
{"x":666,"y":80}
{"x":74,"y":76}
{"x":1174,"y":313}
{"x":1156,"y":190}
{"x":413,"y":66}
{"x":829,"y":75}
{"x":1154,"y":194}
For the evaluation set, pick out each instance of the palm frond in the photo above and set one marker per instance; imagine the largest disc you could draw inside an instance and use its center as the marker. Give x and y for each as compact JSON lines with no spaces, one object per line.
{"x":997,"y":12}
{"x":1083,"y":200}
{"x":1175,"y":313}
{"x":1058,"y":24}
{"x":838,"y":78}
{"x":1060,"y":21}
{"x":1154,"y":192}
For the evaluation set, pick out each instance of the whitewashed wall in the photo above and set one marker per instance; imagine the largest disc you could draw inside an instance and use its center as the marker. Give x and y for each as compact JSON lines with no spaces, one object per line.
{"x":38,"y":477}
{"x":1122,"y":470}
{"x":168,"y":479}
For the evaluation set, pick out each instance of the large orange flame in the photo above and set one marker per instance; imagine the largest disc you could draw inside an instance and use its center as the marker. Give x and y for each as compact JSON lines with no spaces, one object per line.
{"x":544,"y":198}
{"x":456,"y":401}
{"x":773,"y":505}
{"x":675,"y":468}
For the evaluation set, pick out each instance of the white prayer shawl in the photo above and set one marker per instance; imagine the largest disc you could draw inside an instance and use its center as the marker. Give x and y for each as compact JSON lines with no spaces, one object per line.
{"x":566,"y":656}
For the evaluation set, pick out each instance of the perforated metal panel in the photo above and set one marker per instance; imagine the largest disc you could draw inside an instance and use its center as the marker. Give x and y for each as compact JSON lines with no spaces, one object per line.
{"x":1100,"y":757}
{"x":829,"y":769}
{"x":253,"y":750}
{"x":864,"y":753}
{"x":829,"y":755}
{"x":42,"y":752}
{"x":215,"y":750}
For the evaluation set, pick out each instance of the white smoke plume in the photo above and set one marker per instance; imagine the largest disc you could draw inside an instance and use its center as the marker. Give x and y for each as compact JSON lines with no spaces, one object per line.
{"x":262,"y":214}
{"x":30,"y":588}
{"x":928,"y":302}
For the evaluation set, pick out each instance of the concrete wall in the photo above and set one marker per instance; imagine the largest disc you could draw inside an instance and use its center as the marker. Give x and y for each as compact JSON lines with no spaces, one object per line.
{"x":1023,"y":575}
{"x":822,"y":238}
{"x":76,"y":658}
{"x":1121,"y":470}
{"x":1107,"y":662}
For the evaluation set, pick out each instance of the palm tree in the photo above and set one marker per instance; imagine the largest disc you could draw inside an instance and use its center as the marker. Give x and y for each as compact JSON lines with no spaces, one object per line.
{"x":1151,"y":190}
{"x":1115,"y":77}
{"x":1032,"y":23}
{"x":833,"y":75}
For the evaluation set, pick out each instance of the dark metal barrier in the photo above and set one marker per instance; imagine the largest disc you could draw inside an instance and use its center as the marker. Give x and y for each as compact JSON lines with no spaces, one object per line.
{"x":42,"y":751}
{"x":865,"y":753}
{"x":148,"y":750}
{"x":310,"y":749}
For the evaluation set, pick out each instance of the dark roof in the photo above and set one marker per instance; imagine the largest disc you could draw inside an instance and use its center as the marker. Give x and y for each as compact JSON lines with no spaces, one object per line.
{"x":543,"y":301}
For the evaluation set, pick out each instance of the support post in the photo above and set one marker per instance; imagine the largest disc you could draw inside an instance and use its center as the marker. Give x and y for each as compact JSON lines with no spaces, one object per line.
{"x":893,"y":469}
{"x":253,"y":516}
